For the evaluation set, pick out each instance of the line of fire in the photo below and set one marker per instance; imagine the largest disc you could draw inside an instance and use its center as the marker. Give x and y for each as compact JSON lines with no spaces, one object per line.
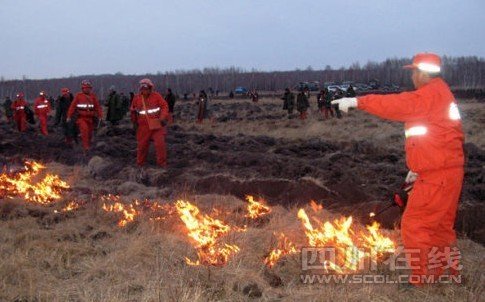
{"x":213,"y":233}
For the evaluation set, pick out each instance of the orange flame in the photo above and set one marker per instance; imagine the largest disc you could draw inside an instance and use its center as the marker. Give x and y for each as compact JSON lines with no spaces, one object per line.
{"x":206,"y":232}
{"x":378,"y":243}
{"x":127,"y":211}
{"x":350,"y":248}
{"x":70,"y":206}
{"x":22,"y":184}
{"x":337,"y":235}
{"x":285,"y":247}
{"x":130,"y":211}
{"x":256,"y":209}
{"x":315,"y":206}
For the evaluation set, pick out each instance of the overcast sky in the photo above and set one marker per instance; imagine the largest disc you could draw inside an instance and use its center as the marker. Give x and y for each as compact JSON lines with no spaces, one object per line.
{"x":57,"y":38}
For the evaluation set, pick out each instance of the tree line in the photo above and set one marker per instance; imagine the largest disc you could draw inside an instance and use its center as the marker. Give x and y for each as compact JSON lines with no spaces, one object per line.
{"x":461,"y":73}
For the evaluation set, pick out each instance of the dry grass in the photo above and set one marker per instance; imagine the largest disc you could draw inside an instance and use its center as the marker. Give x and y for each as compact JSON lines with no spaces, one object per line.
{"x":85,"y":256}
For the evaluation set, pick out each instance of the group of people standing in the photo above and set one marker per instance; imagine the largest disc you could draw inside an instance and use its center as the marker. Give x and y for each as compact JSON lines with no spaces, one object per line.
{"x":19,"y":112}
{"x":80,"y":114}
{"x":324,"y":99}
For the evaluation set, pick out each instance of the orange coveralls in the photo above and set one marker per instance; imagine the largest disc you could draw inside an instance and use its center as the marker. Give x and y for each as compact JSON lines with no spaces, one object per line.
{"x":434,"y":150}
{"x":88,"y":108}
{"x":156,"y":108}
{"x":19,"y":116}
{"x":42,"y":108}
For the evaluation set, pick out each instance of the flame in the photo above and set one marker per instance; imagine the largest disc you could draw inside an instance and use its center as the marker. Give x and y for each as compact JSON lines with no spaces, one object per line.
{"x":350,"y":248}
{"x":256,"y":209}
{"x":377,"y":242}
{"x":71,"y":206}
{"x":206,"y":232}
{"x":338,"y":235}
{"x":127,"y":211}
{"x":315,"y":206}
{"x":372,"y":214}
{"x":22,"y":184}
{"x":158,"y":211}
{"x":285,"y":247}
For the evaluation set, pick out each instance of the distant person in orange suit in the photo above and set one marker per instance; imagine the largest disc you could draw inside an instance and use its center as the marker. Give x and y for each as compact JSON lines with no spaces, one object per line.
{"x":87,"y":110}
{"x":19,"y":115}
{"x":42,"y":108}
{"x":151,"y":114}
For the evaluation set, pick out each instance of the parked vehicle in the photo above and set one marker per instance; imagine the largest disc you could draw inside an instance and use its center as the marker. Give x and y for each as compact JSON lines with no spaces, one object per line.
{"x":333,"y":88}
{"x":240,"y":90}
{"x":389,"y":87}
{"x":361,"y":87}
{"x":312,"y":86}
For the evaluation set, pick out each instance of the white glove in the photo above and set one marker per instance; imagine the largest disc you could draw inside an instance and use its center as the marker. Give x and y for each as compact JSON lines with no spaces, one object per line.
{"x":345,"y":103}
{"x":411,"y":177}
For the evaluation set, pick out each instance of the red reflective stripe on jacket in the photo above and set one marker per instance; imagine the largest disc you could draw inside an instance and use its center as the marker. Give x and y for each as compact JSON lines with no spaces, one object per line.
{"x":441,"y":145}
{"x":83,"y":99}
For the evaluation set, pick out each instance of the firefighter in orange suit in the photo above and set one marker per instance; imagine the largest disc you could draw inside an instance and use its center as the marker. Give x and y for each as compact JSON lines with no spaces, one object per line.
{"x":87,"y":111}
{"x":434,"y":155}
{"x":19,"y":116}
{"x":42,"y":108}
{"x":150,"y":112}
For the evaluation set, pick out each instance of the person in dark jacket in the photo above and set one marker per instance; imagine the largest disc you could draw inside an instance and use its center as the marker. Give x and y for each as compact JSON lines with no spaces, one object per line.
{"x":62,"y":105}
{"x":8,"y":110}
{"x":203,"y":101}
{"x":321,"y":101}
{"x":170,"y":98}
{"x":115,"y":107}
{"x":254,"y":96}
{"x":350,"y":92}
{"x":125,"y":101}
{"x":288,"y":102}
{"x":52,"y":101}
{"x":302,"y":104}
{"x":306,"y":91}
{"x":327,"y":106}
{"x":337,"y":95}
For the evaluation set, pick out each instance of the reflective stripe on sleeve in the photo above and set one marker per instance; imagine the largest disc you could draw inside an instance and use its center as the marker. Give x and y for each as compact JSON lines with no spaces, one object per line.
{"x":453,"y":112}
{"x":415,"y":131}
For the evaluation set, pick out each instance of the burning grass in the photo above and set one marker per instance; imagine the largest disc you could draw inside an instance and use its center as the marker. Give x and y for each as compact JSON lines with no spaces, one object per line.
{"x":128,"y":212}
{"x":90,"y":256}
{"x":114,"y":248}
{"x":256,"y":209}
{"x":28,"y":184}
{"x":352,"y":246}
{"x":206,"y":231}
